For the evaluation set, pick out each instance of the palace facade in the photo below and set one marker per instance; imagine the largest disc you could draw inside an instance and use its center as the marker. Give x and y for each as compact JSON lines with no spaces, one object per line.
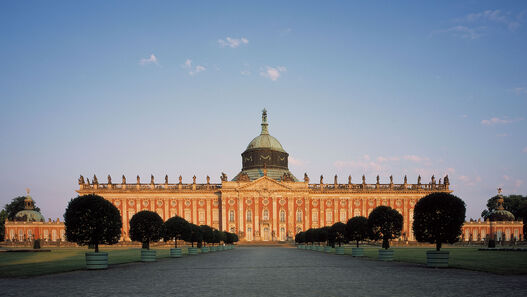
{"x":264,"y":201}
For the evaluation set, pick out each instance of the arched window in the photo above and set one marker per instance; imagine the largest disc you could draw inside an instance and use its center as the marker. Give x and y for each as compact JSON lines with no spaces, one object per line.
{"x":21,"y":235}
{"x":299,"y":216}
{"x":54,"y":235}
{"x":12,"y":234}
{"x":249,"y":235}
{"x":29,"y":233}
{"x":282,"y":216}
{"x":231,"y":216}
{"x":265,"y":215}
{"x":63,"y":235}
{"x":249,"y":216}
{"x":282,"y":234}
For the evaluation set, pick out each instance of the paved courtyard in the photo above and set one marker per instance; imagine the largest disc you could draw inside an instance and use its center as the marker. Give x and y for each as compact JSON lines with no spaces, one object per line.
{"x":267,"y":271}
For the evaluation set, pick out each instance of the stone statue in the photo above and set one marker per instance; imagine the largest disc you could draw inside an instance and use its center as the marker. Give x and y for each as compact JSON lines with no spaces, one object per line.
{"x":433,"y":179}
{"x":180,"y":179}
{"x":391,"y":179}
{"x":138,"y":179}
{"x":109,"y":179}
{"x":439,"y":181}
{"x":306,"y":178}
{"x":363,"y":179}
{"x":124,"y":179}
{"x":81,"y":180}
{"x":377,"y":178}
{"x":419,"y":179}
{"x":151,"y":178}
{"x":446,"y":181}
{"x":335,"y":181}
{"x":405,"y":180}
{"x":166,"y":178}
{"x":321,"y":179}
{"x":349,"y":179}
{"x":95,"y":181}
{"x":208,"y":180}
{"x":88,"y":181}
{"x":194,"y":179}
{"x":499,"y":191}
{"x":223,"y":177}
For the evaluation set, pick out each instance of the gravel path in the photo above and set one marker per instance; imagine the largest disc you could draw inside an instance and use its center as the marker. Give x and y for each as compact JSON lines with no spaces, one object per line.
{"x":265,"y":271}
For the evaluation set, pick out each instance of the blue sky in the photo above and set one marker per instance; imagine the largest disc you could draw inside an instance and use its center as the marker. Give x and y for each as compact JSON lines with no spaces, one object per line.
{"x":159,"y":87}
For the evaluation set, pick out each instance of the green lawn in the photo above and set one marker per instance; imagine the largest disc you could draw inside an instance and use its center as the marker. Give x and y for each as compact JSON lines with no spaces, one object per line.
{"x":464,"y":258}
{"x":63,"y":259}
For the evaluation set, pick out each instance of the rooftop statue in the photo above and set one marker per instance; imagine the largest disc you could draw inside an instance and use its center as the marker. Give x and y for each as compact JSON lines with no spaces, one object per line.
{"x":223,"y":177}
{"x":124,"y":179}
{"x":151,"y":178}
{"x":446,"y":180}
{"x":109,"y":179}
{"x":419,"y":179}
{"x":405,"y":180}
{"x":349,"y":179}
{"x":335,"y":181}
{"x":95,"y":181}
{"x":306,"y":178}
{"x":433,"y":179}
{"x":391,"y":179}
{"x":208,"y":179}
{"x":194,"y":179}
{"x":138,"y":179}
{"x":81,"y":180}
{"x":166,"y":178}
{"x":363,"y":179}
{"x":321,"y":179}
{"x":180,"y":179}
{"x":377,"y":178}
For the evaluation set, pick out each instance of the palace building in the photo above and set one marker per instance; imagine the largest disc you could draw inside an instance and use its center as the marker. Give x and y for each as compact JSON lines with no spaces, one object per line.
{"x":264,"y":201}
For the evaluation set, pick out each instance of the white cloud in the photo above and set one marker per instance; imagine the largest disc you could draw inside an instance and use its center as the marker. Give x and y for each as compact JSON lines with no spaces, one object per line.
{"x":496,"y":121}
{"x":150,"y":60}
{"x":463,"y":32}
{"x":296,"y":162}
{"x":469,"y":181}
{"x":273,"y":73}
{"x":496,"y":16}
{"x":232,"y":42}
{"x":415,"y":158}
{"x":193,"y":70}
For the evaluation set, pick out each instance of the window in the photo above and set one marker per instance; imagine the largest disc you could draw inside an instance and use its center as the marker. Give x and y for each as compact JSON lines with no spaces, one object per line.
{"x":233,"y":230}
{"x":29,"y":234}
{"x":314,"y":216}
{"x":12,"y":234}
{"x":231,"y":216}
{"x":299,"y":216}
{"x":467,"y":234}
{"x":343,"y":216}
{"x":249,"y":234}
{"x":201,"y":216}
{"x":21,"y":235}
{"x":54,"y":235}
{"x":215,"y":215}
{"x":483,"y":234}
{"x":329,"y":216}
{"x":282,"y":234}
{"x":508,"y":234}
{"x":265,"y":215}
{"x":516,"y":234}
{"x":356,"y":213}
{"x":282,"y":216}
{"x":62,"y":235}
{"x":249,"y":216}
{"x":188,"y":216}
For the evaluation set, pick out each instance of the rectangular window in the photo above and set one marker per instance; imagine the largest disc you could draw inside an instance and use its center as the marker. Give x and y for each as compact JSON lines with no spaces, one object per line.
{"x":188,"y":216}
{"x":314,"y":216}
{"x":215,"y":215}
{"x":299,"y":216}
{"x":201,"y":217}
{"x":329,"y":216}
{"x":343,"y":216}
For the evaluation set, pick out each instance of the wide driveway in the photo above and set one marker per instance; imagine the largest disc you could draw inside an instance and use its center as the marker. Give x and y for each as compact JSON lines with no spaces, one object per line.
{"x":268,"y":271}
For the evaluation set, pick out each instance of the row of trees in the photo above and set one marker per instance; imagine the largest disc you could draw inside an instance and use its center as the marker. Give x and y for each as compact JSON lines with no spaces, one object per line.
{"x":383,"y":223}
{"x":438,"y":219}
{"x":92,"y":220}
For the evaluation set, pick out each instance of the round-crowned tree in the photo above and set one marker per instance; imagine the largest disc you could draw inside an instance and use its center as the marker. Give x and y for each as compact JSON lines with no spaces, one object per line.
{"x":176,"y":228}
{"x":358,"y":229}
{"x":92,"y":220}
{"x":438,"y":219}
{"x":195,"y":235}
{"x":322,"y":234}
{"x":207,"y":233}
{"x":385,"y":223}
{"x":300,"y":237}
{"x":310,"y":235}
{"x":145,"y":227}
{"x":338,"y":234}
{"x":217,"y":236}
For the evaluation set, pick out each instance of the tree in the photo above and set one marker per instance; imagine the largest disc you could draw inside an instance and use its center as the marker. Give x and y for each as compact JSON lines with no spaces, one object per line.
{"x":145,"y":227}
{"x":513,"y":203}
{"x":358,"y":229}
{"x":322,"y":234}
{"x":310,"y":235}
{"x":218,"y":236}
{"x":195,"y":234}
{"x":16,"y":205}
{"x":438,"y":219}
{"x":176,"y":228}
{"x":92,"y":220}
{"x":337,"y":233}
{"x":385,"y":223}
{"x":207,"y":233}
{"x":3,"y":217}
{"x":229,"y":238}
{"x":300,"y":237}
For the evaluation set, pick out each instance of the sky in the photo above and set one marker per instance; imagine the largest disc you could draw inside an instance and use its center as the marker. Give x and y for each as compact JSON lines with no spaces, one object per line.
{"x":162,"y":87}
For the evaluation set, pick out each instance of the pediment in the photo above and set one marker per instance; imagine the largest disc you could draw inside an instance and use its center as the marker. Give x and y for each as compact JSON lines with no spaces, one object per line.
{"x":266,"y":184}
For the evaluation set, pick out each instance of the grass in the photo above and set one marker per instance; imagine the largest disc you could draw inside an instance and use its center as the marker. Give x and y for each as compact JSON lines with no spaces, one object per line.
{"x":24,"y":264}
{"x":499,"y":262}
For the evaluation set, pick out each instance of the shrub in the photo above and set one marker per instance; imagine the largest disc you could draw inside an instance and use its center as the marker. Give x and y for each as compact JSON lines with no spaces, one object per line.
{"x":385,"y":223}
{"x":207,"y":234}
{"x":358,"y":229}
{"x":195,"y":235}
{"x":145,"y":227}
{"x":438,"y":219}
{"x":92,"y":220}
{"x":176,"y":228}
{"x":337,"y":233}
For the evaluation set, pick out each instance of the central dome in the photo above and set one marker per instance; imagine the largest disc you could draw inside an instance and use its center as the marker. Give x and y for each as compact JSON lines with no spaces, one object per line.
{"x":264,"y":154}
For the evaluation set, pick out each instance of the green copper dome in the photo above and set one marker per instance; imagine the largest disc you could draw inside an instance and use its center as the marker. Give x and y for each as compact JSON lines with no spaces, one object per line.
{"x":28,"y":215}
{"x":265,"y":141}
{"x":500,"y":213}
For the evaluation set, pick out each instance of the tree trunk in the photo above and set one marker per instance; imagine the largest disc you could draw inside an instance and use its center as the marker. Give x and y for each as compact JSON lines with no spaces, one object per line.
{"x":175,"y":240}
{"x":146,"y":245}
{"x":438,"y":246}
{"x":385,"y":243}
{"x":96,"y":247}
{"x":357,"y":243}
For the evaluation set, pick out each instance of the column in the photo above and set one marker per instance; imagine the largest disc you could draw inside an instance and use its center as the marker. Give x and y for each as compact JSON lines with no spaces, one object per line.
{"x":275,"y":223}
